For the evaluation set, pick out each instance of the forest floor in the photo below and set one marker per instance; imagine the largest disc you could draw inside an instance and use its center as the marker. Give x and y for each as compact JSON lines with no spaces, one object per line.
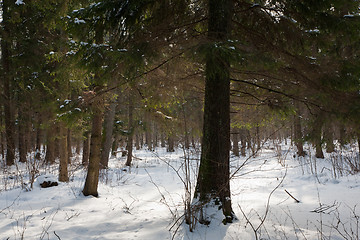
{"x":146,"y":201}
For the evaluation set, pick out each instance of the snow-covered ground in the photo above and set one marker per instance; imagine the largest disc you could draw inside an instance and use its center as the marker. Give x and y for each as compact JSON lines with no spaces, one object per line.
{"x":146,"y":201}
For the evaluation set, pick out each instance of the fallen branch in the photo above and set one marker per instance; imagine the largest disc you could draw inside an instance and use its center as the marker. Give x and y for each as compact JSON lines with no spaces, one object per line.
{"x":297,"y":201}
{"x":57,"y":235}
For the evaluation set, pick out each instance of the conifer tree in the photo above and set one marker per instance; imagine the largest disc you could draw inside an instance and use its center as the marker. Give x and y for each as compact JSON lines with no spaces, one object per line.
{"x":214,"y":173}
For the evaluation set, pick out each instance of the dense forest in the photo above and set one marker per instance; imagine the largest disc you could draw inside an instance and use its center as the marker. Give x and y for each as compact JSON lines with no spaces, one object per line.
{"x":84,"y":81}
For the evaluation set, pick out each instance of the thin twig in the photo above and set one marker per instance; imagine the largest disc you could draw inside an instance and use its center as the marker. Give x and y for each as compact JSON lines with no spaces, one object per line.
{"x":57,"y":235}
{"x":297,"y":201}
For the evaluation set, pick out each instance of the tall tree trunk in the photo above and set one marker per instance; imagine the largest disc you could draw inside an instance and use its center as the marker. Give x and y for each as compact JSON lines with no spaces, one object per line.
{"x":162,"y":139}
{"x":298,"y":136}
{"x":107,"y":135}
{"x":235,"y":147}
{"x":69,"y":145}
{"x":171,"y":147}
{"x":50,"y":145}
{"x":137,"y":141}
{"x":258,"y":142}
{"x":22,"y":143}
{"x":214,"y":177}
{"x":92,"y":177}
{"x":6,"y":75}
{"x":243,"y":143}
{"x":342,"y":134}
{"x":115,"y":145}
{"x":358,"y":142}
{"x":2,"y":145}
{"x":130,"y":133}
{"x":318,"y":123}
{"x":78,"y":146}
{"x":63,"y":168}
{"x":1,"y":131}
{"x":38,"y":138}
{"x":186,"y":131}
{"x":86,"y":148}
{"x":329,"y":138}
{"x":28,"y":131}
{"x":148,"y":139}
{"x":141,"y":139}
{"x":155,"y":135}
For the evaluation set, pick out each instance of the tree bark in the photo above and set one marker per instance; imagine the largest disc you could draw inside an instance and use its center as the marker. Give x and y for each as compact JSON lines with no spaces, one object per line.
{"x":298,"y":136}
{"x":69,"y":145}
{"x":92,"y":177}
{"x":50,"y":145}
{"x":243,"y":143}
{"x":86,"y":148}
{"x":258,"y":141}
{"x":214,"y":177}
{"x":342,"y":134}
{"x":63,"y":168}
{"x":318,"y":123}
{"x":171,"y":147}
{"x":22,"y":143}
{"x":235,"y":147}
{"x":115,"y":145}
{"x":358,"y":142}
{"x":329,"y":138}
{"x":38,"y":138}
{"x":108,"y":135}
{"x":148,"y":139}
{"x":6,"y":75}
{"x":130,"y":133}
{"x":137,"y":140}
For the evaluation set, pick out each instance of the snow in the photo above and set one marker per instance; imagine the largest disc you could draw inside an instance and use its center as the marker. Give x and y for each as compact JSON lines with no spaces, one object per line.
{"x":78,"y":21}
{"x":19,"y":2}
{"x":144,"y":201}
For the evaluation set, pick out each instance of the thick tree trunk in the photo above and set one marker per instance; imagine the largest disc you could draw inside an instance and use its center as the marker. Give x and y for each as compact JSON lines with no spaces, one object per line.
{"x":107,"y":135}
{"x":214,"y":177}
{"x":8,"y":108}
{"x":171,"y":147}
{"x":129,"y":146}
{"x":92,"y":177}
{"x":86,"y":148}
{"x":63,"y":168}
{"x":342,"y":134}
{"x":329,"y":138}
